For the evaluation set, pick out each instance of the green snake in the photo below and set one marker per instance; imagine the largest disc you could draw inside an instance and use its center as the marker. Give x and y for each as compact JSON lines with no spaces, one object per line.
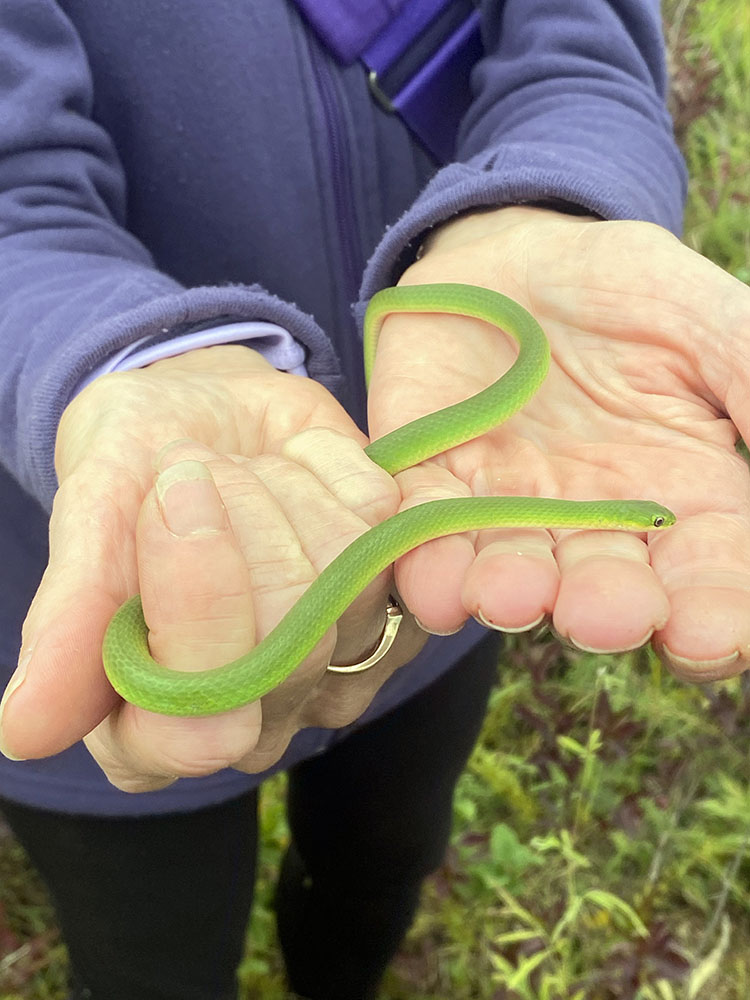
{"x":140,"y":680}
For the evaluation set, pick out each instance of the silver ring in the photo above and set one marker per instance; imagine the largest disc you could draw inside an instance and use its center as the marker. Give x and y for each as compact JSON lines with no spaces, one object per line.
{"x":393,"y":618}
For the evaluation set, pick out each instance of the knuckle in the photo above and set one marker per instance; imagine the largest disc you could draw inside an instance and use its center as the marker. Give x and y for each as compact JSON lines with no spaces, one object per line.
{"x":195,"y":748}
{"x":340,"y":712}
{"x":134,"y":784}
{"x":198,"y":767}
{"x":195,"y":761}
{"x":263,"y":758}
{"x":341,"y":463}
{"x":311,"y":438}
{"x":121,"y":772}
{"x":383,"y":500}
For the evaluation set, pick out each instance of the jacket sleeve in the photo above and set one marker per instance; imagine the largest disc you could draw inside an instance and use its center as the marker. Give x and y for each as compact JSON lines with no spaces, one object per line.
{"x":75,"y":286}
{"x":569,"y":103}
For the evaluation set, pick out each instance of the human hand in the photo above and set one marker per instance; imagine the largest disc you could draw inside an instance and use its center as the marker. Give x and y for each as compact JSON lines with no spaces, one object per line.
{"x":232,"y":402}
{"x":647,"y":389}
{"x":225,"y":547}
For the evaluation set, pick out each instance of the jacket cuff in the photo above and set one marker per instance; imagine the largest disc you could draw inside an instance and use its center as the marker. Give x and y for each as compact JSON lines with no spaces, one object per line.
{"x":169,"y":315}
{"x":520,"y":173}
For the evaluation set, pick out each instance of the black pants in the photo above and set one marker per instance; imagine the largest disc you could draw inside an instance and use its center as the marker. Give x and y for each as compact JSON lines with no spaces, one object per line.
{"x":156,"y":908}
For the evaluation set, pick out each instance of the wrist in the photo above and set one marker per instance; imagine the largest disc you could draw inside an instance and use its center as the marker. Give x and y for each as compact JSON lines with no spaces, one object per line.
{"x":485,"y":222}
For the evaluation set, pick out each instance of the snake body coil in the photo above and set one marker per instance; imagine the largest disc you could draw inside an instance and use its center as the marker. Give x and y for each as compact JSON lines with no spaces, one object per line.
{"x":140,"y":680}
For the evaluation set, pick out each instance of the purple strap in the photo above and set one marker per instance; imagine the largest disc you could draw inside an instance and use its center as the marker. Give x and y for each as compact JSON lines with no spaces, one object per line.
{"x":398,"y":33}
{"x":434,"y":100}
{"x":348,"y":26}
{"x":419,"y":54}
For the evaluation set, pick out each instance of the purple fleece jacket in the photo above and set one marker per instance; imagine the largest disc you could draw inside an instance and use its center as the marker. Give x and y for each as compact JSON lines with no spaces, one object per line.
{"x":182,"y":163}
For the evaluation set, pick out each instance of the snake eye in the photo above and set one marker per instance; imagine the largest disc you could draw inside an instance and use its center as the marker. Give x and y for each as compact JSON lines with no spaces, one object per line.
{"x":658,"y":521}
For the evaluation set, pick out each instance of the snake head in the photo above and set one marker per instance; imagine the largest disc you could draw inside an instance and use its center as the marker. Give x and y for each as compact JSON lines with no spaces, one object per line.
{"x":640,"y":515}
{"x":659,"y":517}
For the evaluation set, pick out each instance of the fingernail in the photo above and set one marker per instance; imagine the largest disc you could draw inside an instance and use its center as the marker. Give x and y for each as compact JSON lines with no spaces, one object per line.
{"x":189,"y":501}
{"x":164,"y":451}
{"x":13,"y":685}
{"x":434,"y":631}
{"x":508,"y":629}
{"x":704,"y":668}
{"x":603,"y":652}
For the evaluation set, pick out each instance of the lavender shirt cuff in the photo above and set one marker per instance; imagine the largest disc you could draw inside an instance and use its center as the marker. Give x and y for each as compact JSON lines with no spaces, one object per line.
{"x":274,"y":342}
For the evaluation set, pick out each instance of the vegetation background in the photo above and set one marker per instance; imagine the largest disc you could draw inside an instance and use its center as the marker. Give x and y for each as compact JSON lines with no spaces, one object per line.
{"x":602,"y":829}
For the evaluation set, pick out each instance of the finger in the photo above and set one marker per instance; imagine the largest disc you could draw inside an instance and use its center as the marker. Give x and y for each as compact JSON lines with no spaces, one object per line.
{"x":704,"y":565}
{"x":280,"y":569}
{"x":329,"y":492}
{"x":325,"y":527}
{"x":197,"y":600}
{"x":373,"y":495}
{"x":425,"y":363}
{"x":338,"y":700}
{"x":430,"y":578}
{"x":610,"y":599}
{"x":184,"y":527}
{"x":339,"y":463}
{"x":60,"y":691}
{"x":513,"y":582}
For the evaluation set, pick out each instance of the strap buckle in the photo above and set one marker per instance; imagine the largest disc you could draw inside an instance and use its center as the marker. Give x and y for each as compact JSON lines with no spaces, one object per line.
{"x":419,"y":68}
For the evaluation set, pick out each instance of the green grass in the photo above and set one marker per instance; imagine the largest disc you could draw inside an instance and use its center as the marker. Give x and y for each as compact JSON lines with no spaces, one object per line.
{"x":601,"y":847}
{"x":601,"y":839}
{"x":710,"y":48}
{"x":602,"y":829}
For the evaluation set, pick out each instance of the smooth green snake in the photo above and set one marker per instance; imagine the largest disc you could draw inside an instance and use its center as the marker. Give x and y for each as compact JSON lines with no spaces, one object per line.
{"x":141,"y":681}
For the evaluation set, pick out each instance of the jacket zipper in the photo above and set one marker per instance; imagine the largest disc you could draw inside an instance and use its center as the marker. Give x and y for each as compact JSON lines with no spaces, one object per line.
{"x":340,"y":157}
